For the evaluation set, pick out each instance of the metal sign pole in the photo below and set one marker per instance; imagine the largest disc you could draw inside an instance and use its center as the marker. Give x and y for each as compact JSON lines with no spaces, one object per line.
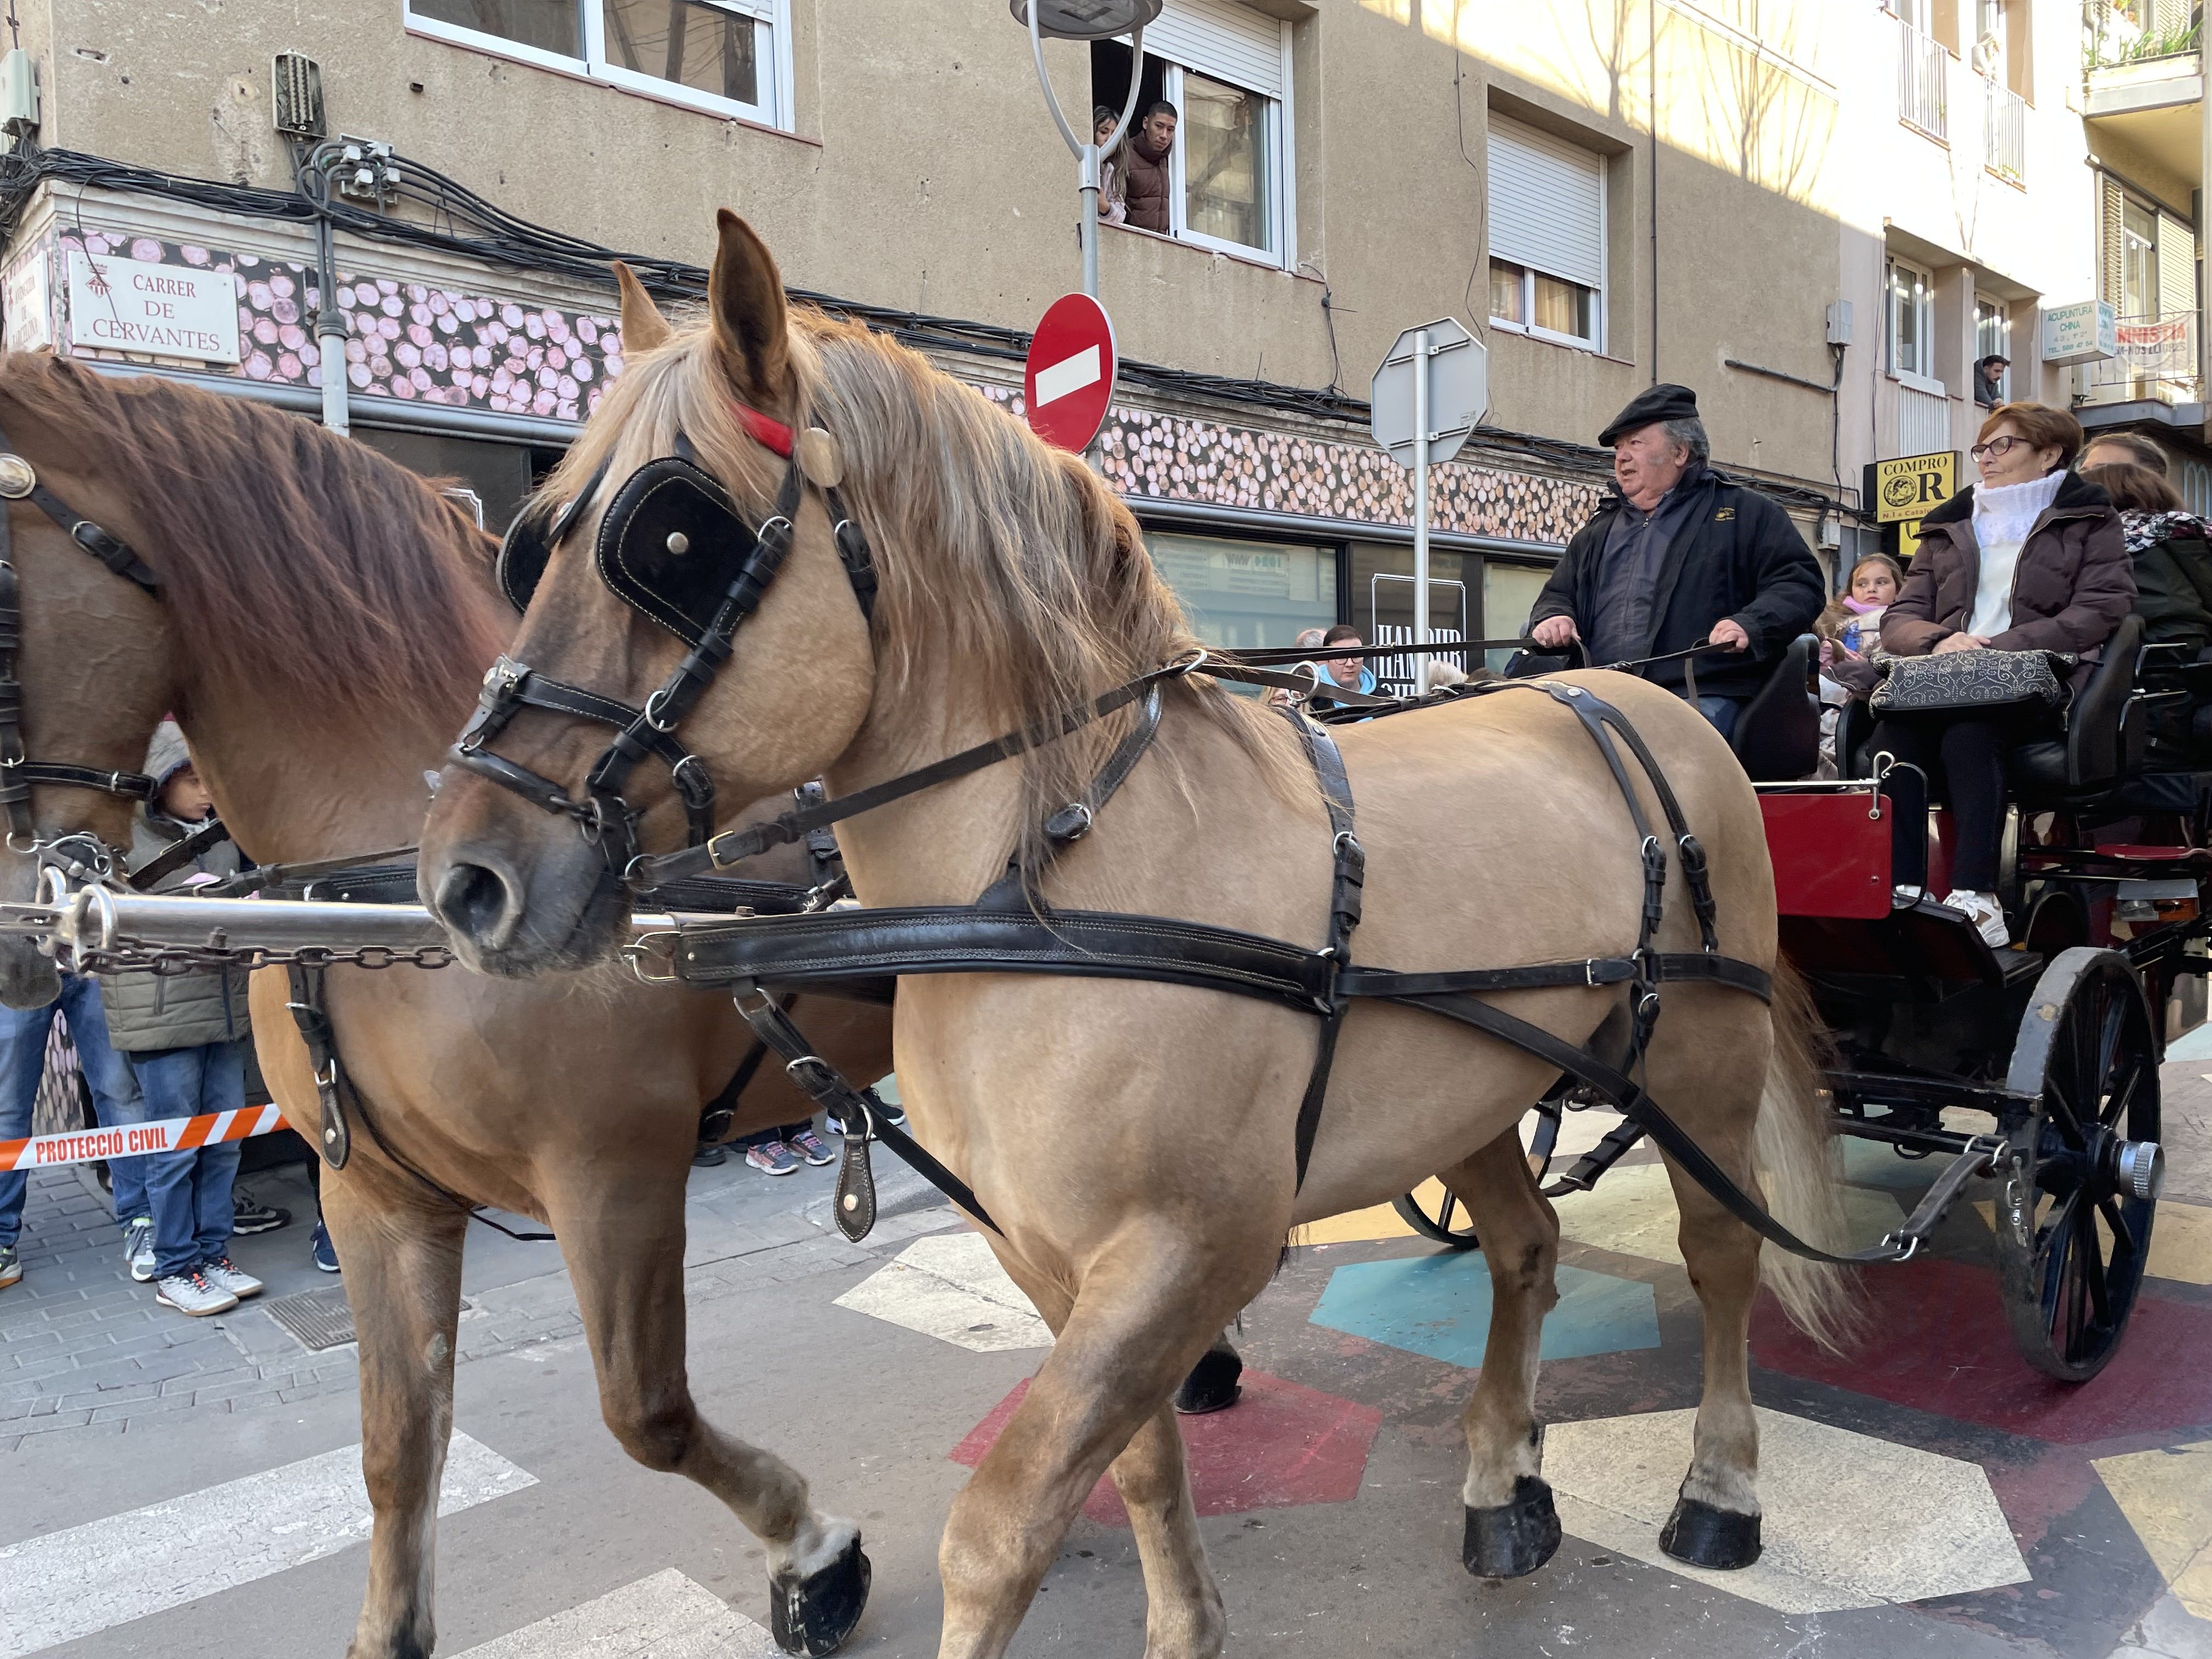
{"x":1420,"y":494}
{"x":1088,"y":152}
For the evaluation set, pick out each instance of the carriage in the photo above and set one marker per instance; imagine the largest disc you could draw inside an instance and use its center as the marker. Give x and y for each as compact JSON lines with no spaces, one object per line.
{"x":2036,"y":1065}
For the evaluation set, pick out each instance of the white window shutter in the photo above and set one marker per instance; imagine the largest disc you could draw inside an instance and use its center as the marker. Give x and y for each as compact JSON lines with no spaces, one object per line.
{"x":1221,"y":39}
{"x":1547,"y":202}
{"x":2177,"y":264}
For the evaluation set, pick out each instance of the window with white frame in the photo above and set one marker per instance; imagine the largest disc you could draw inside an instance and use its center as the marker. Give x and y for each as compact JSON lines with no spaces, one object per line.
{"x":1226,"y":69}
{"x":1912,"y":326}
{"x":726,"y":57}
{"x":1548,"y":252}
{"x":1993,"y":338}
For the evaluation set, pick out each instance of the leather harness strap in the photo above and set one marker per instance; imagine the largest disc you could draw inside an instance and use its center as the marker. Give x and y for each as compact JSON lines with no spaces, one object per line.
{"x":1346,"y":878}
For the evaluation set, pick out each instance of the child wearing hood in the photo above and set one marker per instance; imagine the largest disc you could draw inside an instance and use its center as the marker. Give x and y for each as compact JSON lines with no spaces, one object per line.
{"x":1849,"y":629}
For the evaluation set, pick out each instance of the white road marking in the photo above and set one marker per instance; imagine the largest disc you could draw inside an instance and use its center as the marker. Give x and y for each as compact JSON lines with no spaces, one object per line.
{"x":83,"y":1579}
{"x":667,"y":1616}
{"x":1850,"y":1521}
{"x":1068,"y":374}
{"x":950,"y":1286}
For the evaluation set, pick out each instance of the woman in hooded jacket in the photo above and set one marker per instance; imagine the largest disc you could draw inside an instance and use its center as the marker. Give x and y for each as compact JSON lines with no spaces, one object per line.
{"x":2173,"y":559}
{"x":2030,"y":559}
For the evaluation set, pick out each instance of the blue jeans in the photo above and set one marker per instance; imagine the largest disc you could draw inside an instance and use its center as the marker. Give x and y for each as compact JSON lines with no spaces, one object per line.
{"x":1721,"y":712}
{"x":115,"y":1096}
{"x":190,"y":1192}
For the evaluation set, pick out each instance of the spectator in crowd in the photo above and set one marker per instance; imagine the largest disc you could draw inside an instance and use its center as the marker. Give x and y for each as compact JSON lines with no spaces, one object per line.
{"x":2172,"y":560}
{"x":1309,"y":639}
{"x":1113,"y":179}
{"x":777,"y":1152}
{"x":1989,"y":380}
{"x":116,"y":1101}
{"x":185,"y":1034}
{"x":1146,"y":188}
{"x":1849,"y":630}
{"x":2124,"y":448}
{"x":2030,"y":559}
{"x":1351,"y":672}
{"x":1680,"y":554}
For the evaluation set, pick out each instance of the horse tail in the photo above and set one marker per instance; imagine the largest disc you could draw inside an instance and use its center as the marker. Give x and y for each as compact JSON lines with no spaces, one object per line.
{"x":1799,"y":1167}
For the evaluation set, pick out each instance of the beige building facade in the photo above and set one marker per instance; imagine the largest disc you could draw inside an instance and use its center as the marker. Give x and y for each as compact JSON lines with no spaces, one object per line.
{"x":1817,"y":213}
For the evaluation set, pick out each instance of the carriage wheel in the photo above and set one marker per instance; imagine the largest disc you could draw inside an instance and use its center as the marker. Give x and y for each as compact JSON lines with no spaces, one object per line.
{"x":1451,"y":1225}
{"x":2082,"y":1172}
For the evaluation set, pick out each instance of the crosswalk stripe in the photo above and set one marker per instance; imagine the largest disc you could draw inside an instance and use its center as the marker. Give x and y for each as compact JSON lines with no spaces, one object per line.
{"x":71,"y":1583}
{"x":667,"y":1616}
{"x":951,"y":1287}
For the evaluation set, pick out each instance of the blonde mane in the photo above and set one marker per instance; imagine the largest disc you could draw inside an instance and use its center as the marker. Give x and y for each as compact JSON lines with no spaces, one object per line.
{"x":991,"y":547}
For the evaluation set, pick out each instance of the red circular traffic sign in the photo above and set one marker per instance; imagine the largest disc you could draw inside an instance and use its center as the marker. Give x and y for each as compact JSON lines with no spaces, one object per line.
{"x":1069,"y":379}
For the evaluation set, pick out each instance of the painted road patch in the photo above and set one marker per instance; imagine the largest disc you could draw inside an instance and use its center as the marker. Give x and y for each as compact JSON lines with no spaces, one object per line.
{"x":2166,"y":1495}
{"x":1282,"y":1445}
{"x":667,"y":1616}
{"x":1439,"y":1305}
{"x":950,"y":1286}
{"x":1850,"y":1521}
{"x":168,"y":1553}
{"x":1938,"y":1341}
{"x":1631,"y":1212}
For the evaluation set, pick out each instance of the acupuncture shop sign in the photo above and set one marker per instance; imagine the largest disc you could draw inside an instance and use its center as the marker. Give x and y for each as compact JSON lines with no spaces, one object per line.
{"x":163,"y":310}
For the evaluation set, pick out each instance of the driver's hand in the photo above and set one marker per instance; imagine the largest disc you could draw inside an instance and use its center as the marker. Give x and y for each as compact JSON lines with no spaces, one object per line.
{"x":1554,"y":632}
{"x":1729,"y":632}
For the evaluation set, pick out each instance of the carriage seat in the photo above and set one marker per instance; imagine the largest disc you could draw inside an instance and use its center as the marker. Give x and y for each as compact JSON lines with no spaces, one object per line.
{"x":2102,"y":746}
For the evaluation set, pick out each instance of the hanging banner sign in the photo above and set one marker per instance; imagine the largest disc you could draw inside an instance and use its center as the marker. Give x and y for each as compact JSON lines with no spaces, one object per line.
{"x":1912,"y":486}
{"x":165,"y":311}
{"x":25,"y":304}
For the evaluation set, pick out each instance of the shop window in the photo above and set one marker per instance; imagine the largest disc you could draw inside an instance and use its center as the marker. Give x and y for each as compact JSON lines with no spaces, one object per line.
{"x":490,"y":478}
{"x":1547,"y":253}
{"x":1225,"y":68}
{"x":1508,"y":594}
{"x":1245,"y":594}
{"x":719,"y":55}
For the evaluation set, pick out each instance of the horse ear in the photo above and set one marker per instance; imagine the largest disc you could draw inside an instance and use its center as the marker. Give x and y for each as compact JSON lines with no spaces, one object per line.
{"x":644,"y":329}
{"x":744,"y":294}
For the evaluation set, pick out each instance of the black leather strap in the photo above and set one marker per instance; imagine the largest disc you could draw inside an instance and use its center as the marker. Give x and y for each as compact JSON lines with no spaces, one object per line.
{"x":1346,"y":881}
{"x":179,"y":853}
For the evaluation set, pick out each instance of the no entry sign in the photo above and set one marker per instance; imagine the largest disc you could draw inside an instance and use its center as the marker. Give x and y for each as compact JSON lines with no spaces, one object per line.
{"x":1069,"y":379}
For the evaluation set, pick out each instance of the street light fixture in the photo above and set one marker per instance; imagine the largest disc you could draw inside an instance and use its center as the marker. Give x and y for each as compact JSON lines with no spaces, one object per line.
{"x":1087,"y":20}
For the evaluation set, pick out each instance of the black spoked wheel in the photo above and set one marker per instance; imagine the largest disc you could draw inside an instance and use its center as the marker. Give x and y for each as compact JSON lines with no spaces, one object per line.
{"x":2082,"y":1172}
{"x":1450,"y":1224}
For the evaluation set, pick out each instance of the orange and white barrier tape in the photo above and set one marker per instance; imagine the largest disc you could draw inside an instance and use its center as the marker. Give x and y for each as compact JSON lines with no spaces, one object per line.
{"x":166,"y":1134}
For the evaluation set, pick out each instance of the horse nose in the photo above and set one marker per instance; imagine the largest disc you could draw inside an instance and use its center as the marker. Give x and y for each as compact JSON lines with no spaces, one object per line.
{"x":479,"y":904}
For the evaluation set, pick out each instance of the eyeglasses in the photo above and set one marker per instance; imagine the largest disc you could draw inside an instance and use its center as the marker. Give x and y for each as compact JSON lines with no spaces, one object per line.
{"x":1998,"y":447}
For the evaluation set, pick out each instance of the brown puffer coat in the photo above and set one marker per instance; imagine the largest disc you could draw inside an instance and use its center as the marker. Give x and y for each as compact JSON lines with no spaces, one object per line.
{"x":2072,"y":586}
{"x":1145,"y":184}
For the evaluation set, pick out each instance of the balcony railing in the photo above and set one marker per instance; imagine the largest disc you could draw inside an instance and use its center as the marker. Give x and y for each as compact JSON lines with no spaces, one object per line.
{"x":2004,"y":132}
{"x":1923,"y":73}
{"x":2135,"y":31}
{"x":2156,"y":361}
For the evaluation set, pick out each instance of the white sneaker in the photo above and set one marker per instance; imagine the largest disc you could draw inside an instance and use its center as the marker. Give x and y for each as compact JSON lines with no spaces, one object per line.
{"x":138,"y":1248}
{"x":189,"y":1292}
{"x":1984,"y":912}
{"x":1902,"y":897}
{"x":219,"y":1273}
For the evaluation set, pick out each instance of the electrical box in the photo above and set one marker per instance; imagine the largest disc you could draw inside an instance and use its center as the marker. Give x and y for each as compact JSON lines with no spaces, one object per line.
{"x":297,"y":81}
{"x":1839,"y":323}
{"x":19,"y":93}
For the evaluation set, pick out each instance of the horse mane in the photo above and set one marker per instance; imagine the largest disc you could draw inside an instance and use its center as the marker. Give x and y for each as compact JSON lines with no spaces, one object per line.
{"x":991,"y":547}
{"x":301,"y":567}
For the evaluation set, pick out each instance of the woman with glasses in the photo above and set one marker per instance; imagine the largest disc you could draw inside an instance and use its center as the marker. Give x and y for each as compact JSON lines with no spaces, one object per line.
{"x":2030,"y":559}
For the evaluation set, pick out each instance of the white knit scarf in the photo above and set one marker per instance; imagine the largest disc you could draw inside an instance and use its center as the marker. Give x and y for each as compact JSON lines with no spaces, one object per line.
{"x":2004,"y":513}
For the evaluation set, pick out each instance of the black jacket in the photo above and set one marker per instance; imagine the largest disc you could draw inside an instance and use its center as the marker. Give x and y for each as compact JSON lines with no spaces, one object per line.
{"x":1735,"y":556}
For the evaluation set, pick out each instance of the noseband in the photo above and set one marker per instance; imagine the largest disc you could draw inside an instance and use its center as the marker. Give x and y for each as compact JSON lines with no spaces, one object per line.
{"x":19,"y":482}
{"x":673,"y":547}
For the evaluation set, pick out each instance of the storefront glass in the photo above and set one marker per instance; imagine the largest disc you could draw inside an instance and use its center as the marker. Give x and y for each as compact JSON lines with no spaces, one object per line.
{"x":1244,"y":594}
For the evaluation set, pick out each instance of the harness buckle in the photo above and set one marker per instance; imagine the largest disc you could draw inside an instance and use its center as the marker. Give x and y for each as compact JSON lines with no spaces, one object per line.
{"x":762,"y":1002}
{"x":1072,"y":823}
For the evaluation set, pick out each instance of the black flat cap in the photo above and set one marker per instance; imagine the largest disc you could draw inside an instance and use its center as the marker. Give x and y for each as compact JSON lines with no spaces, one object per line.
{"x":1664,"y":402}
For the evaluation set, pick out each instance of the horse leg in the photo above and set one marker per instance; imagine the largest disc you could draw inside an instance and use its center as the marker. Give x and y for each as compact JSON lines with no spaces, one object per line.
{"x":1212,"y":1385}
{"x":403,"y":1277}
{"x":1145,"y":1313}
{"x":1511,"y":1527}
{"x":623,"y":1242}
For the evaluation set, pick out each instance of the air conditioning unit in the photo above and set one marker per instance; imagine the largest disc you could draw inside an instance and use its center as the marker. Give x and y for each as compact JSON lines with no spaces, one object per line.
{"x":297,"y":81}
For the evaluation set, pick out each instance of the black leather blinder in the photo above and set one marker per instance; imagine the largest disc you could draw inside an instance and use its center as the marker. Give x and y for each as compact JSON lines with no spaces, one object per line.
{"x":670,"y":544}
{"x":523,"y":556}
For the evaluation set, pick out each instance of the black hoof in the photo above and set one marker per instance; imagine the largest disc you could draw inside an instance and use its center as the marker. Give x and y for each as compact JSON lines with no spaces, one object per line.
{"x":1515,"y":1539}
{"x":815,"y":1614}
{"x":1212,"y":1385}
{"x":1706,"y":1537}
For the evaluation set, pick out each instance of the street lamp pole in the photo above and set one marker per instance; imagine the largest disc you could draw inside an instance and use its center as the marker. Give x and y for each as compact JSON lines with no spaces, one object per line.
{"x":1090,"y":154}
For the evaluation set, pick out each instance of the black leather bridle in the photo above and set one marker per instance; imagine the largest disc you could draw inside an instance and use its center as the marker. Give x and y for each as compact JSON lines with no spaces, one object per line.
{"x":19,"y":482}
{"x":670,"y":510}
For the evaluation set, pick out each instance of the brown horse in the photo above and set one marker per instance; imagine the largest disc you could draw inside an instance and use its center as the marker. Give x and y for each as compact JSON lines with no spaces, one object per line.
{"x":1014,"y":587}
{"x":322,"y":618}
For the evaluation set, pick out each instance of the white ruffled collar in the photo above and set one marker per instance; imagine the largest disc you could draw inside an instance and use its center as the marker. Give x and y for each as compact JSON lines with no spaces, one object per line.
{"x":2006,"y":513}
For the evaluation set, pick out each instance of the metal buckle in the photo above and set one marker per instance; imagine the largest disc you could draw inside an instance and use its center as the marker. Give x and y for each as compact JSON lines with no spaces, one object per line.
{"x":648,"y":948}
{"x":764,"y":1002}
{"x":1590,"y":972}
{"x":1909,"y":1242}
{"x":652,"y":720}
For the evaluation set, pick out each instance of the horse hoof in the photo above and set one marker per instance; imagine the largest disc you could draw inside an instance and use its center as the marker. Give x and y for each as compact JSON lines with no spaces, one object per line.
{"x":1212,"y":1385}
{"x":1515,"y":1539}
{"x":814,"y":1615}
{"x":1706,"y":1537}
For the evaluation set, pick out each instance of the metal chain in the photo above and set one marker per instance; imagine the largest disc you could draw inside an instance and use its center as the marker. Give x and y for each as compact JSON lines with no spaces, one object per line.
{"x":127,"y":955}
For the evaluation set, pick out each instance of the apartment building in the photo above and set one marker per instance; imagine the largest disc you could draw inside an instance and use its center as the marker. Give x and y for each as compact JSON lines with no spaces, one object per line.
{"x":1816,"y":212}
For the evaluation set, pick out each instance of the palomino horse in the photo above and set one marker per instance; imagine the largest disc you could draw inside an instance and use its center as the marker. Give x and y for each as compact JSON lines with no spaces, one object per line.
{"x":1015,"y":588}
{"x":322,"y":618}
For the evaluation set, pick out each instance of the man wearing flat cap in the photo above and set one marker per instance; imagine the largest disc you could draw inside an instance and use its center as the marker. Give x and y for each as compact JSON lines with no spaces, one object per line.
{"x":1681,"y":554}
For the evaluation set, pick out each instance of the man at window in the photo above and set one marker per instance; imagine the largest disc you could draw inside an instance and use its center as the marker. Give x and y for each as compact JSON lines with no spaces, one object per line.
{"x":1989,"y":380}
{"x":1680,"y":555}
{"x":1146,"y":187}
